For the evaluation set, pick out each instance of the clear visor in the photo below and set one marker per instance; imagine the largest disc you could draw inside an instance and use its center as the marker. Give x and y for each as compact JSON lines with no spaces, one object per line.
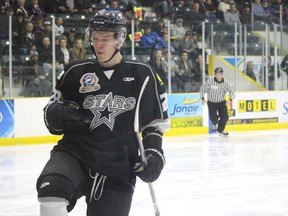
{"x":103,"y":37}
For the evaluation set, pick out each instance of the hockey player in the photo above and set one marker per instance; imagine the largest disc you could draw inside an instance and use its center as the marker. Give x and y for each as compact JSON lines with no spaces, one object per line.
{"x":216,"y":88}
{"x":93,"y":106}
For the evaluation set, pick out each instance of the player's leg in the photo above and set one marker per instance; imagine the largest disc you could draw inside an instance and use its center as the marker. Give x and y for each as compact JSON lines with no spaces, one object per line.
{"x":114,"y":200}
{"x":223,"y":115}
{"x":60,"y":184}
{"x":213,"y":115}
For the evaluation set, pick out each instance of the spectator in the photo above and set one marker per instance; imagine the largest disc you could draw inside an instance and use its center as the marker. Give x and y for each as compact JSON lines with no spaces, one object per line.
{"x":114,"y":6}
{"x":271,"y":68}
{"x":19,"y":8}
{"x":202,"y":8}
{"x":176,"y":83}
{"x":77,"y":51}
{"x":34,"y":9}
{"x":178,"y":33}
{"x":219,"y":41}
{"x":284,"y":64}
{"x":198,"y":72}
{"x":223,"y":7}
{"x":83,"y":6}
{"x":62,"y":54}
{"x":59,"y":28}
{"x":160,"y":27}
{"x":138,"y":31}
{"x":285,"y":16}
{"x":56,"y":6}
{"x":270,"y":11}
{"x":246,"y":17}
{"x":38,"y":24}
{"x":71,"y":7}
{"x":18,"y":27}
{"x":33,"y":78}
{"x":47,"y":31}
{"x":71,"y":37}
{"x":4,"y":30}
{"x":162,"y":7}
{"x":26,"y":39}
{"x":165,"y":38}
{"x":181,"y":10}
{"x":125,"y":3}
{"x":260,"y":13}
{"x":157,"y":63}
{"x":5,"y":4}
{"x":211,"y":10}
{"x":232,"y":15}
{"x":45,"y":56}
{"x":151,"y":38}
{"x":178,"y":30}
{"x":276,"y":4}
{"x":185,"y":72}
{"x":187,"y":44}
{"x":129,"y":15}
{"x":195,"y":17}
{"x":250,"y":70}
{"x":183,"y":4}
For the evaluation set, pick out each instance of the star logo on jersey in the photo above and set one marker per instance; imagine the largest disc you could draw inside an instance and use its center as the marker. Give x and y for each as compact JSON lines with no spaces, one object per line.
{"x":104,"y":115}
{"x":106,"y":108}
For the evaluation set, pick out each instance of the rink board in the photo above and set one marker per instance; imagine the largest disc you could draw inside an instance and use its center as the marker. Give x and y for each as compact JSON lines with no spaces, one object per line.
{"x":21,"y":120}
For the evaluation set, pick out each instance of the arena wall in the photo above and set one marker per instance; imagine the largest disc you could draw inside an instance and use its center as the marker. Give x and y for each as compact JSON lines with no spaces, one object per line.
{"x":21,"y":120}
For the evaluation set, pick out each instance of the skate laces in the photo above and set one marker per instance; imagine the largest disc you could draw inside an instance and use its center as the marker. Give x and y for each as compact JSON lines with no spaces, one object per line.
{"x":98,"y":185}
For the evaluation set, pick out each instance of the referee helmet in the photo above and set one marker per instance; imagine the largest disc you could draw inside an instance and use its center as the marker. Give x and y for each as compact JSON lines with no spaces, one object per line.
{"x":218,"y":70}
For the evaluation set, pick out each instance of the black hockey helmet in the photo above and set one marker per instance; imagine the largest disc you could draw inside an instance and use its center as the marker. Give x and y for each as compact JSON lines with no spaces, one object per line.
{"x":109,"y":21}
{"x":218,"y":70}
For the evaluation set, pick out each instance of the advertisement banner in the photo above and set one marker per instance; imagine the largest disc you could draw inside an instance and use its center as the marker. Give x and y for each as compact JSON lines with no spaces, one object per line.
{"x":6,"y":118}
{"x":185,"y":110}
{"x":259,"y":108}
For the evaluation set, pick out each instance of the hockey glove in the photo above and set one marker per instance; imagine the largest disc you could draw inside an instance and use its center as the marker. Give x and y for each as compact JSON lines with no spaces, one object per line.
{"x":150,"y":171}
{"x":59,"y":117}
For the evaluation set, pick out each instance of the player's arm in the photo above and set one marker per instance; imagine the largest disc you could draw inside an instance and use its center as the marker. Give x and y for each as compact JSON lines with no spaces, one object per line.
{"x":60,"y":114}
{"x":231,"y":90}
{"x":154,"y":123}
{"x":203,"y":90}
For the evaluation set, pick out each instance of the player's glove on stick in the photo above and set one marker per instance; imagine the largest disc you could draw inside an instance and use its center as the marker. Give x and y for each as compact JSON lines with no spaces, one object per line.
{"x":150,"y":171}
{"x":59,"y":117}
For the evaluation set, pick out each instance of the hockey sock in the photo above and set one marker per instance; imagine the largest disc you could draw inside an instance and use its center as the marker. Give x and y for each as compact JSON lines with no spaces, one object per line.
{"x":53,"y":206}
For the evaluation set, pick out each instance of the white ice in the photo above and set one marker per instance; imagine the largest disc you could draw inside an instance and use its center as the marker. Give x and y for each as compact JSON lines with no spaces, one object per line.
{"x":245,"y":174}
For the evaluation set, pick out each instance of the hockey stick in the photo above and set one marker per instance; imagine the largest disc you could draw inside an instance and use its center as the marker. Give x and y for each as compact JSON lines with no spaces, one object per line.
{"x":141,"y":147}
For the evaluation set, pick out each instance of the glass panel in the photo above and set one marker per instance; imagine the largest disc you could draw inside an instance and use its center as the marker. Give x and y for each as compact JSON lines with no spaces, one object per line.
{"x":254,"y":43}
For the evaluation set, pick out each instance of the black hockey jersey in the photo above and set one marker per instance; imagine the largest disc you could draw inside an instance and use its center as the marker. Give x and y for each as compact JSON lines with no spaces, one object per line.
{"x":107,"y":98}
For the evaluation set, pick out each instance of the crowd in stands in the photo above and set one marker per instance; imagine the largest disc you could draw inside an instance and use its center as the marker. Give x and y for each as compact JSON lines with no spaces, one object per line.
{"x":32,"y":33}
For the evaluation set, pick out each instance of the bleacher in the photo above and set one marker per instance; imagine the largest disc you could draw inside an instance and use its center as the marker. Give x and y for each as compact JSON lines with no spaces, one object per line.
{"x":151,"y":14}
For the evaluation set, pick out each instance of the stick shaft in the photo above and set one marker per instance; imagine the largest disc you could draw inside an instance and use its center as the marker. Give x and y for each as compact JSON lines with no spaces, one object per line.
{"x":141,"y":147}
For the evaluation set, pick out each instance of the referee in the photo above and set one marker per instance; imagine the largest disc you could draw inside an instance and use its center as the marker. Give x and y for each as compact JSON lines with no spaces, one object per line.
{"x":216,"y":88}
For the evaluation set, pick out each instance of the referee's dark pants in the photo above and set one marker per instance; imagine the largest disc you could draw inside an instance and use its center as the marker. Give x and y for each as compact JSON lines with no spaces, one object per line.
{"x":218,"y":114}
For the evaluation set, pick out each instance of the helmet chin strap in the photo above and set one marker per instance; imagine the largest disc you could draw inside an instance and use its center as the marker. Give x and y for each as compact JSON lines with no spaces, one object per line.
{"x":115,"y":52}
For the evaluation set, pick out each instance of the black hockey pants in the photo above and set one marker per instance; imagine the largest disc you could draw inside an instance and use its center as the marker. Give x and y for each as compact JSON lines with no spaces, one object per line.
{"x":218,"y":114}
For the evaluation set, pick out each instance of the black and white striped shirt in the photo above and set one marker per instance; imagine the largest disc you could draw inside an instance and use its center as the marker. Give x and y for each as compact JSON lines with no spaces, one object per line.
{"x":216,"y":91}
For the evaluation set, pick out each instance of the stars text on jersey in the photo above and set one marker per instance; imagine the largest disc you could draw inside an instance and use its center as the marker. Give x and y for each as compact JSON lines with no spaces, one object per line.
{"x":107,"y":107}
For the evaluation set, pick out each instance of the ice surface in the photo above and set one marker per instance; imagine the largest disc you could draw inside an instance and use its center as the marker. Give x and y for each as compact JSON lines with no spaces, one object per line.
{"x":245,"y":174}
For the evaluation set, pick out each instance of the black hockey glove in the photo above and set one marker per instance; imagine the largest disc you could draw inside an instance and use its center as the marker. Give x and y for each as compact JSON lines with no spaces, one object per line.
{"x":151,"y":171}
{"x":59,"y":117}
